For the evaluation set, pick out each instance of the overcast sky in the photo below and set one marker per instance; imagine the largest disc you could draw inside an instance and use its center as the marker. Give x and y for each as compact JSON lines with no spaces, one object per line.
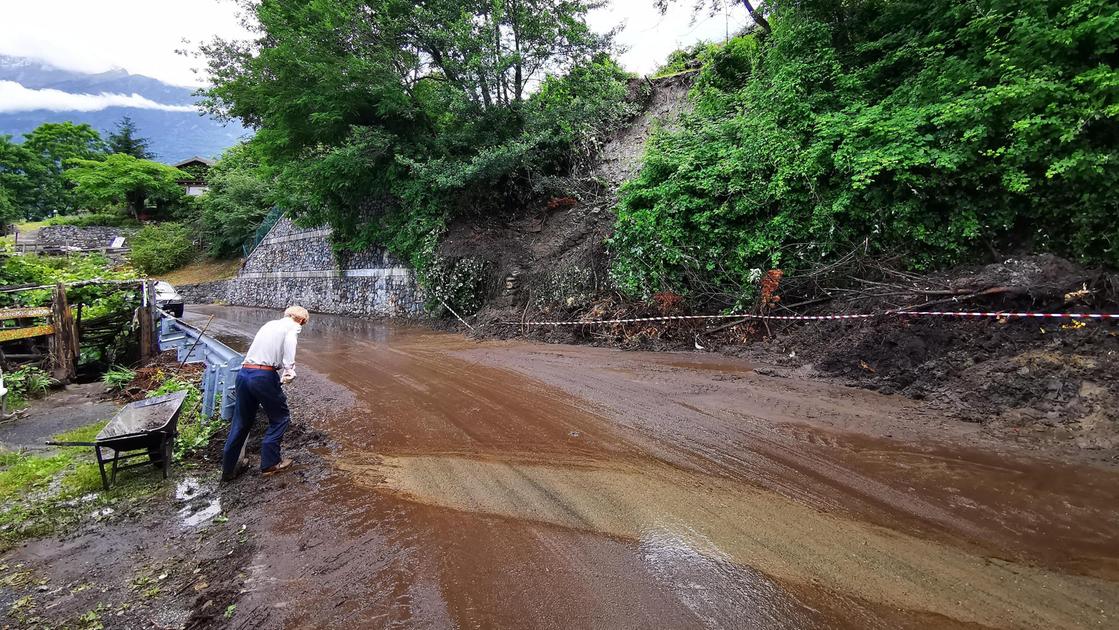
{"x":141,"y":36}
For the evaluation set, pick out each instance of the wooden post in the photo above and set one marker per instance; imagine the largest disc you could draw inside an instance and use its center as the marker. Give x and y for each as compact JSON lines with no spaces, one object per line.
{"x":64,"y":343}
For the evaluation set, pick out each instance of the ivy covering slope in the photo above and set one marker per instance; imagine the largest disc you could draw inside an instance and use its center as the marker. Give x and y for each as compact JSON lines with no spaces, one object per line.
{"x":940,"y":130}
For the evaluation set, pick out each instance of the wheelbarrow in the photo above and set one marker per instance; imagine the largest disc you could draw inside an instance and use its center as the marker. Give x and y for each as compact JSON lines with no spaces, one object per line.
{"x":143,"y":428}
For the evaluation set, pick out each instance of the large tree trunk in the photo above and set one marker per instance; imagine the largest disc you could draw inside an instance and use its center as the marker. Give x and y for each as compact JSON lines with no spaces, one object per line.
{"x":756,"y":15}
{"x":136,"y":201}
{"x":518,"y":77}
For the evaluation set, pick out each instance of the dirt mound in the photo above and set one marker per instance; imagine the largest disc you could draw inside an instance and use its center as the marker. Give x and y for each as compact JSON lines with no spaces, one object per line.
{"x":555,"y":252}
{"x":151,"y":376}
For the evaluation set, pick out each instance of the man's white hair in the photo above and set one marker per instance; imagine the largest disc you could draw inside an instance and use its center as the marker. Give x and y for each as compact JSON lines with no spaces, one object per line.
{"x":297,"y":311}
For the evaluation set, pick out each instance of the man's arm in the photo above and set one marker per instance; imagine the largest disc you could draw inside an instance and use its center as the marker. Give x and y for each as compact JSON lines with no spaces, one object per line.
{"x":290,"y":341}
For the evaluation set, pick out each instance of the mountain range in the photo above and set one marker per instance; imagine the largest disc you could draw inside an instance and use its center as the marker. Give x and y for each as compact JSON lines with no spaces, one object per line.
{"x":163,"y":113}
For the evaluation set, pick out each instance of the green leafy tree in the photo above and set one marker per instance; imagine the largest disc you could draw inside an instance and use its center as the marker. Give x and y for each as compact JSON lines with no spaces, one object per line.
{"x":20,"y":169}
{"x":384,"y":118}
{"x":239,"y":196}
{"x":121,"y":178}
{"x":126,"y":139}
{"x":55,"y":144}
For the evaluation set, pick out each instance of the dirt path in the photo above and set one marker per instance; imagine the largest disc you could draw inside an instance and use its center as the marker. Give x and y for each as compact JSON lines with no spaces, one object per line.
{"x":518,"y":485}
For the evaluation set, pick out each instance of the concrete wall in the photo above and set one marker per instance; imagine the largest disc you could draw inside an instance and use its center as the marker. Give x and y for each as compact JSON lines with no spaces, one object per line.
{"x":293,"y":265}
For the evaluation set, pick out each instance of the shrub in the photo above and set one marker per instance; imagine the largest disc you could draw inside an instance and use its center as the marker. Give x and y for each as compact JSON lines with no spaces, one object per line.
{"x":118,"y":377}
{"x":25,"y":383}
{"x":162,"y":247}
{"x":937,"y":130}
{"x":108,"y":219}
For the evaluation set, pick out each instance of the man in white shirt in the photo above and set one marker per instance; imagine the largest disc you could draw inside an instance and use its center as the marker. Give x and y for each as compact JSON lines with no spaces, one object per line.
{"x":258,"y":385}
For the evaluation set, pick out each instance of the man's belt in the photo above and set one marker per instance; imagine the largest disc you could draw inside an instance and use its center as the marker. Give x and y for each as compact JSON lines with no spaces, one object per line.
{"x":253,"y":366}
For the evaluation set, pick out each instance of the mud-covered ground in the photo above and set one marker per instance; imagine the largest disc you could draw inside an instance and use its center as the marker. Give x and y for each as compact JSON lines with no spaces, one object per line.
{"x":1043,"y":383}
{"x":443,"y":482}
{"x":178,"y":558}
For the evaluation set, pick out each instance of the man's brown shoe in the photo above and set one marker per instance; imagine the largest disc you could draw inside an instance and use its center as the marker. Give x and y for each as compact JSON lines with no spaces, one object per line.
{"x":242,"y":466}
{"x":282,"y":466}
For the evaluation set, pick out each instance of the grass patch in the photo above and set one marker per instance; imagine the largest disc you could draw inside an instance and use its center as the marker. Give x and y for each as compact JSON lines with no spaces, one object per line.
{"x":203,"y":270}
{"x":26,"y":226}
{"x":43,"y":493}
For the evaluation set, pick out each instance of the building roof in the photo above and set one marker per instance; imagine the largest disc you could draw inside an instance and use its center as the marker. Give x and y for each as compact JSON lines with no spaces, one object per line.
{"x":191,"y":160}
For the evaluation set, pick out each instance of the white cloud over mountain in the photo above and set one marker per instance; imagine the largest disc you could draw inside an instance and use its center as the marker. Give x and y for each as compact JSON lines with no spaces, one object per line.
{"x":17,"y":98}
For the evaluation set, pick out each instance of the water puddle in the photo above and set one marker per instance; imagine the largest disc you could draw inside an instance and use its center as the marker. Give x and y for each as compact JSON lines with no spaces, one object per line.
{"x":706,"y":580}
{"x":198,"y":509}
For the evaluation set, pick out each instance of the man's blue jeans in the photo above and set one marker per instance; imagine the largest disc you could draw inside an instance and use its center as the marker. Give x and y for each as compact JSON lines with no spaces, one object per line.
{"x":256,"y":388}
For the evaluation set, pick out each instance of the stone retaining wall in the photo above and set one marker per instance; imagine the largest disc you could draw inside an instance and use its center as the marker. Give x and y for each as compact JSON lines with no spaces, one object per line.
{"x":91,"y":237}
{"x":293,"y":265}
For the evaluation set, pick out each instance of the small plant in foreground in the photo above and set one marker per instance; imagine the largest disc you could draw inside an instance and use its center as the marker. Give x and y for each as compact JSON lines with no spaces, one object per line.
{"x":118,"y":377}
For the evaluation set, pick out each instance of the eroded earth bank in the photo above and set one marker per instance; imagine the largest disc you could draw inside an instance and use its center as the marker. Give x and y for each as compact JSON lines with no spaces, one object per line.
{"x":442,"y":482}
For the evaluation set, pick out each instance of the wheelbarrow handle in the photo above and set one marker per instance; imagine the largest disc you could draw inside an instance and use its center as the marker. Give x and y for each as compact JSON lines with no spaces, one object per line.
{"x":53,"y":443}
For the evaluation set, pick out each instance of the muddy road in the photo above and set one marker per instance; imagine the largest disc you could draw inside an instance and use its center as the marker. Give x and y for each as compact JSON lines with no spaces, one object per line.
{"x":505,"y":484}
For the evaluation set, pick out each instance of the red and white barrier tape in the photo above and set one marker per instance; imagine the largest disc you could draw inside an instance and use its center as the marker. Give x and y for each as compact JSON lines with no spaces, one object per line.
{"x":669,"y":318}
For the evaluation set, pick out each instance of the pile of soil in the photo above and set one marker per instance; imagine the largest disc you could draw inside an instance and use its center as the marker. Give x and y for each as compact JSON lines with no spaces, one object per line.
{"x":152,"y":375}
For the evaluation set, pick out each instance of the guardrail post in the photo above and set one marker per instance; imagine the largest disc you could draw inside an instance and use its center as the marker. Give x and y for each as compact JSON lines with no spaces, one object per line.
{"x":208,"y":390}
{"x":228,"y":395}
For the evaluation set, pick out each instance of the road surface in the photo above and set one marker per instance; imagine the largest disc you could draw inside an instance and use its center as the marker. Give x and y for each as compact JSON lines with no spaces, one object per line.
{"x":508,"y":484}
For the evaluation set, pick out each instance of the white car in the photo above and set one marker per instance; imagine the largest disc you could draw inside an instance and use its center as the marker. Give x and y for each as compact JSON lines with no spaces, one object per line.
{"x":168,"y":299}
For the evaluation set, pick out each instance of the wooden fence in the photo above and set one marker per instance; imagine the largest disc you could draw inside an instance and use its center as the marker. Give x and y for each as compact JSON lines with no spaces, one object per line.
{"x":65,"y":331}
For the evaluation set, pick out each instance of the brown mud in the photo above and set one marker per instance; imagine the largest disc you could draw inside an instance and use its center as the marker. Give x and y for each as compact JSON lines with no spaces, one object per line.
{"x":516,"y":485}
{"x":442,"y":482}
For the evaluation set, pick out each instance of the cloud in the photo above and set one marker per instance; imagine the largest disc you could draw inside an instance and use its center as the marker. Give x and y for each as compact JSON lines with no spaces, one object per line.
{"x":142,"y":35}
{"x":16,"y":98}
{"x":97,"y":35}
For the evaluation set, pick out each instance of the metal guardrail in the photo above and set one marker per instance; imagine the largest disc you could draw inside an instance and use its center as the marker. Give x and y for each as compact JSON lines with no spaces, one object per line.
{"x":222,"y":362}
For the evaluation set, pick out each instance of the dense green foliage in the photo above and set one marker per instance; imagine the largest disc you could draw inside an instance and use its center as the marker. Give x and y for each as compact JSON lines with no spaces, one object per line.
{"x":161,"y":247}
{"x":383,"y":119}
{"x":684,"y":59}
{"x":34,"y":270}
{"x":87,"y":219}
{"x":25,"y":383}
{"x":122,"y":178}
{"x":937,"y":130}
{"x":31,"y":181}
{"x":56,"y":145}
{"x":20,"y":172}
{"x":240,"y":195}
